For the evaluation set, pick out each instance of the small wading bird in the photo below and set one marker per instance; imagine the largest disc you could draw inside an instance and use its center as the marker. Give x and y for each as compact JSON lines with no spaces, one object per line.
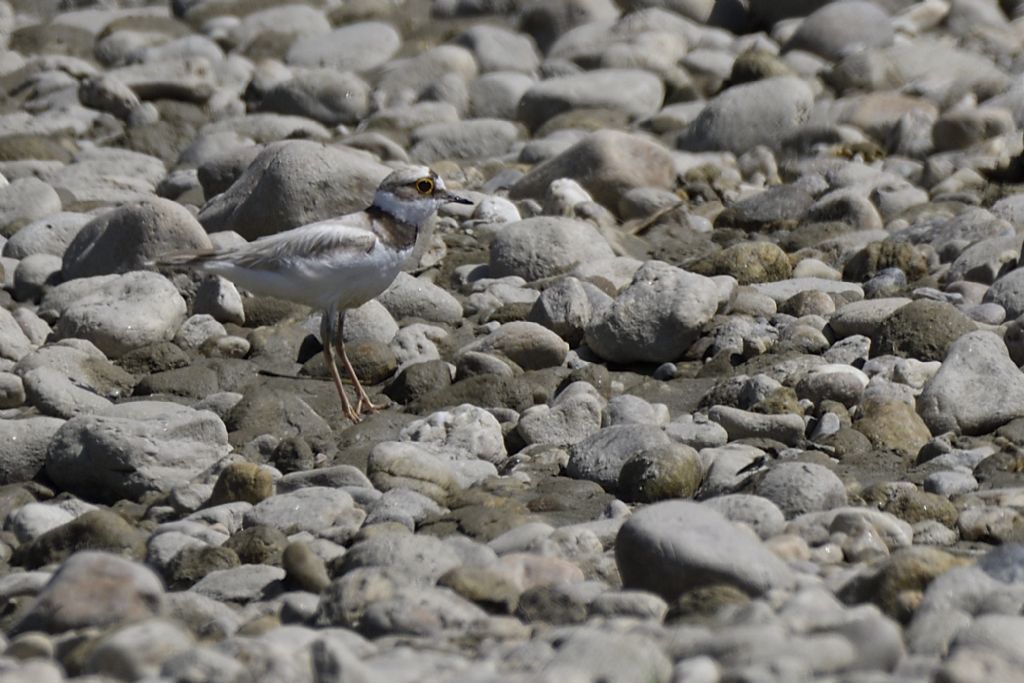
{"x":336,"y":264}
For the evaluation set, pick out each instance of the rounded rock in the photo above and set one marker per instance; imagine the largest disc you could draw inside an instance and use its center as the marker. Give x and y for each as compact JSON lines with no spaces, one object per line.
{"x":670,"y":471}
{"x":545,"y":246}
{"x":671,"y":547}
{"x":799,"y":487}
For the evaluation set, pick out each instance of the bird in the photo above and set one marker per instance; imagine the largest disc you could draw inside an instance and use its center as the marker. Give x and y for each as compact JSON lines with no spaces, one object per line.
{"x":336,"y":264}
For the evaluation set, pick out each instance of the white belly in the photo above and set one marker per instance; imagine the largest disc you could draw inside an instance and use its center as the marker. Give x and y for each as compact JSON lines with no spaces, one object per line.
{"x":345,"y":281}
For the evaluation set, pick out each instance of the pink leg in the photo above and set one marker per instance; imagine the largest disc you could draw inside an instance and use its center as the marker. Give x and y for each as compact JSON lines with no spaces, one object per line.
{"x":365,"y":404}
{"x":326,"y":332}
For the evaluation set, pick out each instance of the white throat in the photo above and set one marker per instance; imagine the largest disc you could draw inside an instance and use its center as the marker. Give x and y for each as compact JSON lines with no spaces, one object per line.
{"x":414,"y":212}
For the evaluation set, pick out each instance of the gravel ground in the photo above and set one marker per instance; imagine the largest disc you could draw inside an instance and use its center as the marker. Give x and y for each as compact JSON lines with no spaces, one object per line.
{"x":716,"y":379}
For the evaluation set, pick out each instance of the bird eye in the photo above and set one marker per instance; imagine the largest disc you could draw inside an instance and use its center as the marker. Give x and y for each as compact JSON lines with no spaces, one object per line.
{"x":424,"y":185}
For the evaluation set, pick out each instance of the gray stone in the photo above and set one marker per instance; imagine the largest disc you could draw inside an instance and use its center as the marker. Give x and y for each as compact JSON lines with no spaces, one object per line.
{"x":528,"y":345}
{"x":412,"y":297}
{"x":324,"y":95}
{"x":892,"y":68}
{"x":606,"y":163}
{"x":219,"y":298}
{"x":423,"y":75}
{"x":69,"y":377}
{"x":34,"y":519}
{"x":138,"y":650}
{"x":267,"y":128}
{"x":696,"y":431}
{"x":760,"y":514}
{"x":355,"y":47}
{"x":470,"y":139}
{"x":34,"y":275}
{"x":671,"y":547}
{"x":629,"y":409}
{"x":616,"y":658}
{"x":24,"y":201}
{"x":312,"y":509}
{"x":287,"y":23}
{"x":1008,"y":292}
{"x":497,"y":94}
{"x":14,"y":343}
{"x":25,"y":453}
{"x":634,"y":92}
{"x":405,"y":507}
{"x":498,"y":49}
{"x":123,"y":313}
{"x":421,"y":611}
{"x":12,"y":390}
{"x":600,"y":457}
{"x":564,"y":308}
{"x":292,"y":183}
{"x":573,"y":415}
{"x":248,"y":583}
{"x":94,"y":589}
{"x":656,"y":318}
{"x":836,"y":29}
{"x":108,"y":175}
{"x":744,"y":116}
{"x":422,"y":559}
{"x":799,"y":487}
{"x":864,"y":317}
{"x":976,"y":389}
{"x":544,"y":246}
{"x":50,"y":235}
{"x":124,"y":239}
{"x":661,"y":473}
{"x":192,"y":80}
{"x":132,"y":449}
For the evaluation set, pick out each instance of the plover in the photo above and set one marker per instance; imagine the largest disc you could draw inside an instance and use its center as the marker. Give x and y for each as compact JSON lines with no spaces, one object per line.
{"x":335,"y":264}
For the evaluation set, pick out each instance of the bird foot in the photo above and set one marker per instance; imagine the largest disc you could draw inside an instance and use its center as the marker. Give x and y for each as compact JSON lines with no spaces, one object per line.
{"x":367,"y":406}
{"x":352,"y":415}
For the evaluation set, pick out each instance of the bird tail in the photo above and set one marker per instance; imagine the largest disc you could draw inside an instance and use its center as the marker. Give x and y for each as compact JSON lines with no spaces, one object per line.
{"x":182,"y":260}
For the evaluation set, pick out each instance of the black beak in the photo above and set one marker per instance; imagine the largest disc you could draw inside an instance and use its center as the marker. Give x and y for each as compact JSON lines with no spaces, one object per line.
{"x":453,"y":198}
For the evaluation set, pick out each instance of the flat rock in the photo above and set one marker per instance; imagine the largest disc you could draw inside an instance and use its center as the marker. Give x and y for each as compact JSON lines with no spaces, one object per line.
{"x":134,"y":448}
{"x":123,"y":313}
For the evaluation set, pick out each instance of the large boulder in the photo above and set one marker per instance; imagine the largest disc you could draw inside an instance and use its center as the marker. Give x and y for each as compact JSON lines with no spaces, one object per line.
{"x":292,"y":183}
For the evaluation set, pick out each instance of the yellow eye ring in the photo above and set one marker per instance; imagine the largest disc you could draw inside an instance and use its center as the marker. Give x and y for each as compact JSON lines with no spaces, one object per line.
{"x":424,"y":185}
